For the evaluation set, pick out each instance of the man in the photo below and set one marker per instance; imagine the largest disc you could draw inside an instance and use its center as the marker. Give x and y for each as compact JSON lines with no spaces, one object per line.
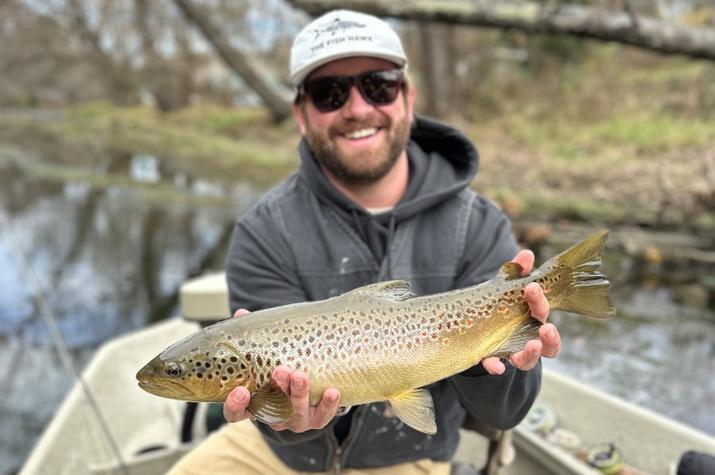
{"x":380,"y":194}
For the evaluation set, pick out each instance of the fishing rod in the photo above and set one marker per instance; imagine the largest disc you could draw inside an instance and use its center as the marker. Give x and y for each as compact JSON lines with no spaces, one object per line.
{"x":58,"y":340}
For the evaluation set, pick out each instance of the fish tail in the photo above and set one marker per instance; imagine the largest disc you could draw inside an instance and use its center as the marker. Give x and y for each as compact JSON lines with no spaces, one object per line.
{"x":578,"y":285}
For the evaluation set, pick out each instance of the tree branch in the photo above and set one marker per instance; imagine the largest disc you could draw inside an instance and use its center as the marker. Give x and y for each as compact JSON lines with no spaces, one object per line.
{"x":280,"y":108}
{"x":529,"y":17}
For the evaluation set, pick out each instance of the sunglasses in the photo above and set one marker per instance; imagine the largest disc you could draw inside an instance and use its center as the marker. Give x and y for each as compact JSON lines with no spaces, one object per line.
{"x":330,"y":93}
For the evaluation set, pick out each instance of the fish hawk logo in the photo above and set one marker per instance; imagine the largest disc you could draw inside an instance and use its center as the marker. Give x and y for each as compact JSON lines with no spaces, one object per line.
{"x":337,"y":25}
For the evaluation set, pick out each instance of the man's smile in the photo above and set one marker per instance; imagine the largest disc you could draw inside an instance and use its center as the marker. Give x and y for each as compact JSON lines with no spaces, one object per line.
{"x":361,"y":134}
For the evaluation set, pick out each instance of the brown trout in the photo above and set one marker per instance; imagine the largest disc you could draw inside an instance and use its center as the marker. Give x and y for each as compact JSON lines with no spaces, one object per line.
{"x":379,"y":342}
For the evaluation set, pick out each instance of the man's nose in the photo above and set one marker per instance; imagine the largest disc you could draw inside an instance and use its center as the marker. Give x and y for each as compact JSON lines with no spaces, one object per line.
{"x":356,"y":106}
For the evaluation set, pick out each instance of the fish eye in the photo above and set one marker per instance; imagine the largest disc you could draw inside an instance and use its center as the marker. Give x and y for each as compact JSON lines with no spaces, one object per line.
{"x":173,"y":370}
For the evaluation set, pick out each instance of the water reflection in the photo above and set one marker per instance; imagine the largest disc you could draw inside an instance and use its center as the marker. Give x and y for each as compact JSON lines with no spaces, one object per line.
{"x":113,"y":240}
{"x":658,"y":353}
{"x":110,"y":255}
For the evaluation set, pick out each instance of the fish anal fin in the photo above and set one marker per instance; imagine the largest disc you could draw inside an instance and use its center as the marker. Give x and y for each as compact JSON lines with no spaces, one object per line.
{"x":416,"y":409}
{"x":515,"y":341}
{"x":270,"y":405}
{"x":392,"y":289}
{"x":511,"y":270}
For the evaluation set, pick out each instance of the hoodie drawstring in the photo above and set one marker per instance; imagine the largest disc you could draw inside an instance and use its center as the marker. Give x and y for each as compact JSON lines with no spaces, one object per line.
{"x":390,"y":235}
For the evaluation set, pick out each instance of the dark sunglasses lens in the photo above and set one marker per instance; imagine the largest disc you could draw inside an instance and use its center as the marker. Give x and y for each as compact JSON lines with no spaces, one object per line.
{"x":328,"y":93}
{"x":381,"y":87}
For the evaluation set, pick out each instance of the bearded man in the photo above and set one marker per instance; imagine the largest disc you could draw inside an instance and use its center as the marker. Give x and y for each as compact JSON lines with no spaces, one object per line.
{"x":380,"y":194}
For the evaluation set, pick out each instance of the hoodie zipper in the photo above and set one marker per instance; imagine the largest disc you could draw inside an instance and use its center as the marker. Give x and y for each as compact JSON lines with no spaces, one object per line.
{"x":342,"y":451}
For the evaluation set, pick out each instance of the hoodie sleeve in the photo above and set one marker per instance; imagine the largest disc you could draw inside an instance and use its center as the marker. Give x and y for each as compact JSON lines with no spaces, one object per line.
{"x":503,"y":400}
{"x":261,"y":274}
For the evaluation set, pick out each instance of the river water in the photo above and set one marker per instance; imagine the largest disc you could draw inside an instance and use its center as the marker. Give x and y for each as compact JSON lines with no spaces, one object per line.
{"x":111,"y":242}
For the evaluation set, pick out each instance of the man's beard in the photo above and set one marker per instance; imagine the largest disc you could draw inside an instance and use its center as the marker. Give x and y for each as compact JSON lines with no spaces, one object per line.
{"x":344,"y":168}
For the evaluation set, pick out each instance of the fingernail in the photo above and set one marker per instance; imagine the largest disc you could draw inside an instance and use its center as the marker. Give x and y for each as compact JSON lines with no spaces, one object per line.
{"x":299,"y":383}
{"x":551,"y":332}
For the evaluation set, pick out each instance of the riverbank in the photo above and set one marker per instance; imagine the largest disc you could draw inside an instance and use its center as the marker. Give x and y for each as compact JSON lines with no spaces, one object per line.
{"x":655,"y":172}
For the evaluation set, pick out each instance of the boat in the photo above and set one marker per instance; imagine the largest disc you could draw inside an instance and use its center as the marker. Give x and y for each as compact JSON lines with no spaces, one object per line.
{"x":108,"y":426}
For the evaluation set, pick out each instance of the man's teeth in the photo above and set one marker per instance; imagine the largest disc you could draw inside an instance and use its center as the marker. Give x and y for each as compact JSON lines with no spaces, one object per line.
{"x":359,"y":134}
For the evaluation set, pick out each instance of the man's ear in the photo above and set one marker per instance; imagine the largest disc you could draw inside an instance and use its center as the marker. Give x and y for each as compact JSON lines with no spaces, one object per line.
{"x":298,"y":113}
{"x":411,"y":98}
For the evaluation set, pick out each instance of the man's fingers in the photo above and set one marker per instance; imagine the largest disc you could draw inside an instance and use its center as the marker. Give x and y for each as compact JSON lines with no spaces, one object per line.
{"x":234,"y":409}
{"x":526,"y":258}
{"x":325,"y":411}
{"x":299,"y":393}
{"x":551,"y":340}
{"x":527,"y":359}
{"x":240,"y":311}
{"x":282,"y":376}
{"x":493,"y":365}
{"x":299,"y":385}
{"x":538,"y":304}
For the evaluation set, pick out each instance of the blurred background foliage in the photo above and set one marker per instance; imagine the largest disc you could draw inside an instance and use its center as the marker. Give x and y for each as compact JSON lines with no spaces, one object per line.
{"x":626,"y":133}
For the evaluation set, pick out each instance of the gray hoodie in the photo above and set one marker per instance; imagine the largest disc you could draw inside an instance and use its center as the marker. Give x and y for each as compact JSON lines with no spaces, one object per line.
{"x":304,"y":240}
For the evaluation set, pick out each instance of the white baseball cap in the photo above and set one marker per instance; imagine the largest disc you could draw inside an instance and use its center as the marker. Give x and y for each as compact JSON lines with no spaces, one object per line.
{"x":343,"y":34}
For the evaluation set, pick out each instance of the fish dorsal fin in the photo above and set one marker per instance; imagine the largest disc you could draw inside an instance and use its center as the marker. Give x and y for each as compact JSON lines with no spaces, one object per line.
{"x":416,"y":409}
{"x":270,"y":405}
{"x":510,"y":270}
{"x":391,"y":289}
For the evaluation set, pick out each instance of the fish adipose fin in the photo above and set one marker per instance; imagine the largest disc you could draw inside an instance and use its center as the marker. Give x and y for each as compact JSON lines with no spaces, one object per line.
{"x":391,"y":289}
{"x":270,"y":405}
{"x":586,"y":289}
{"x":416,"y":409}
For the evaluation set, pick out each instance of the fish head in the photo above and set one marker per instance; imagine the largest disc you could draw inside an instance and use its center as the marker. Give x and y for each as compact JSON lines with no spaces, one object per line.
{"x":202,"y":368}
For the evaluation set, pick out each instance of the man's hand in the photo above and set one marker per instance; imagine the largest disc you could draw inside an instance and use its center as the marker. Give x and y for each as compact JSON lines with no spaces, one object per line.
{"x":549,"y":342}
{"x":296,"y":385}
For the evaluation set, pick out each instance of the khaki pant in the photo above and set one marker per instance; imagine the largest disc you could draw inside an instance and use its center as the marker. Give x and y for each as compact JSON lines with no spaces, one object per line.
{"x":239,"y":449}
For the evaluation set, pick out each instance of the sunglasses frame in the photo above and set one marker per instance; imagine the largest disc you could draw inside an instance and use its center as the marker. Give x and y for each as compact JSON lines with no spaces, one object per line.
{"x":354,"y":80}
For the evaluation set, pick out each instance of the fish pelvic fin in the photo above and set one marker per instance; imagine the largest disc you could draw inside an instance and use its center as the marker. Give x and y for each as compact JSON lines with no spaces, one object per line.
{"x":270,"y":405}
{"x":581,"y":288}
{"x":416,"y":409}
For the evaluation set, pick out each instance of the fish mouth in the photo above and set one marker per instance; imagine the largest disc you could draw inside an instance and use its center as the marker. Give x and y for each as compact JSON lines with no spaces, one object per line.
{"x":166,"y":389}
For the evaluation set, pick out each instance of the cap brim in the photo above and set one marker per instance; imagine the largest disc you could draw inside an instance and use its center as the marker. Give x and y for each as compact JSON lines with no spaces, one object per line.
{"x":298,"y":77}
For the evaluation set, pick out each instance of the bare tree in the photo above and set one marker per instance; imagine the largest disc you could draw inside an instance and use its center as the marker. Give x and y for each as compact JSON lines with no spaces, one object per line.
{"x":624,"y":26}
{"x":278,"y":105}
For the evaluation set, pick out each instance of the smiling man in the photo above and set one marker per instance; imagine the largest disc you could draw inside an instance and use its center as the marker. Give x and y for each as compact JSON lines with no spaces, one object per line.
{"x":380,"y":194}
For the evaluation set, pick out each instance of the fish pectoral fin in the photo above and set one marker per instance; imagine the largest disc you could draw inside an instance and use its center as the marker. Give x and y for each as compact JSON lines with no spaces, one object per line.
{"x":515,"y":342}
{"x":416,"y":409}
{"x":270,"y":405}
{"x":511,"y":270}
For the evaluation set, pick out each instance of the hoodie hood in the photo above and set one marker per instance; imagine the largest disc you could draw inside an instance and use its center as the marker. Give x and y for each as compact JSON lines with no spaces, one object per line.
{"x":442,"y":163}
